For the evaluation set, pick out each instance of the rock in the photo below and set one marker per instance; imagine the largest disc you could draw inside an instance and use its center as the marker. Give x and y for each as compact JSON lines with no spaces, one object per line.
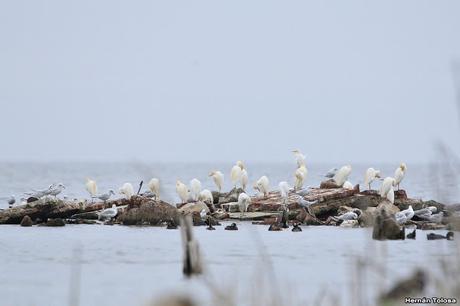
{"x":388,"y":207}
{"x":231,"y":196}
{"x":80,"y":221}
{"x":386,"y":227}
{"x":312,"y":220}
{"x":367,"y":217}
{"x":149,"y":212}
{"x":274,"y":228}
{"x":413,"y":286}
{"x":26,"y":221}
{"x":252,"y":215}
{"x":329,"y":184}
{"x":231,"y":207}
{"x":453,"y":223}
{"x":430,"y":226}
{"x":86,"y":215}
{"x":220,"y":215}
{"x":54,"y":222}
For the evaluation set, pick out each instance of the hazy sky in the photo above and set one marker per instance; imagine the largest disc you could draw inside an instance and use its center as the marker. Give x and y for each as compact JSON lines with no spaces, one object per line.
{"x":221,"y":81}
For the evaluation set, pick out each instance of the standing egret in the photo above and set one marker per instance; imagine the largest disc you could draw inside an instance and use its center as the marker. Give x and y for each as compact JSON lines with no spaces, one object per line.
{"x":91,"y":187}
{"x":348,"y":185}
{"x":235,"y":173}
{"x":127,"y":190}
{"x":195,"y":189}
{"x":206,"y":197}
{"x":370,"y":176}
{"x":218,"y":178}
{"x":300,"y":176}
{"x":154,"y":186}
{"x":243,"y":203}
{"x":400,"y":172}
{"x":244,"y":179}
{"x":284,"y":191}
{"x":299,"y":157}
{"x":182,"y":191}
{"x":342,"y":175}
{"x":262,"y":185}
{"x":387,"y":184}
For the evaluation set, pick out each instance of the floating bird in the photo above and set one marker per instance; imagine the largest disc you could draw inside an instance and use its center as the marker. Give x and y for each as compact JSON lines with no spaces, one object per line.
{"x":195,"y":189}
{"x":231,"y":227}
{"x":262,"y":185}
{"x":109,"y":213}
{"x":370,"y":176}
{"x":244,"y":179}
{"x":106,"y":196}
{"x":210,"y":227}
{"x":348,"y":185}
{"x":284,"y":191}
{"x":412,"y":235}
{"x":235,"y":173}
{"x":127,"y":190}
{"x":388,"y":182}
{"x":399,"y":174}
{"x":330,"y":174}
{"x":274,"y":228}
{"x":171,"y":224}
{"x":433,"y":236}
{"x":206,"y":197}
{"x":300,"y":175}
{"x":91,"y":187}
{"x":299,"y":157}
{"x":243,"y":202}
{"x":404,"y":215}
{"x":218,"y":178}
{"x":182,"y":191}
{"x":296,"y":228}
{"x":342,"y":175}
{"x":154,"y":187}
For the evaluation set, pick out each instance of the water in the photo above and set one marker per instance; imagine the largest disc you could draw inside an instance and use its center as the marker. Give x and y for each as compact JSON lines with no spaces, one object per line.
{"x":132,"y":265}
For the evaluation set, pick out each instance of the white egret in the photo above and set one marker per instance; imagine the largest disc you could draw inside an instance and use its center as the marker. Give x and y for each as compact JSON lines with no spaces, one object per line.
{"x":348,"y":185}
{"x":284,"y":191}
{"x":299,"y":157}
{"x":127,"y":190}
{"x":195,"y":189}
{"x":342,"y":175}
{"x":235,"y":173}
{"x":391,"y":195}
{"x":244,"y":179}
{"x":154,"y":186}
{"x":206,"y":197}
{"x":388,"y":182}
{"x":262,"y":185}
{"x":182,"y":191}
{"x":400,"y":172}
{"x":300,"y":176}
{"x":370,"y":176}
{"x":218,"y":178}
{"x":91,"y":187}
{"x":243,"y":202}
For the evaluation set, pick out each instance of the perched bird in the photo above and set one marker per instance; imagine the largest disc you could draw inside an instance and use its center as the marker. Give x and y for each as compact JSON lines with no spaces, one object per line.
{"x":348,"y":185}
{"x":412,"y":235}
{"x":235,"y":173}
{"x":106,"y":196}
{"x":243,"y":202}
{"x":218,"y":178}
{"x":436,"y":218}
{"x":56,"y":189}
{"x":404,"y":215}
{"x":195,"y":189}
{"x":10,"y":200}
{"x":391,"y":195}
{"x":350,"y":215}
{"x":306,"y":204}
{"x":109,"y":213}
{"x":300,"y":175}
{"x":299,"y":157}
{"x":399,"y":174}
{"x":206,"y":196}
{"x":424,"y":213}
{"x":262,"y":185}
{"x":91,"y":187}
{"x":388,"y":182}
{"x":182,"y":191}
{"x":284,"y":191}
{"x":244,"y":179}
{"x":349,"y":223}
{"x":154,"y":187}
{"x":433,"y":236}
{"x":370,"y":176}
{"x":342,"y":175}
{"x":127,"y":190}
{"x":331,"y":173}
{"x":304,"y":191}
{"x":231,"y":227}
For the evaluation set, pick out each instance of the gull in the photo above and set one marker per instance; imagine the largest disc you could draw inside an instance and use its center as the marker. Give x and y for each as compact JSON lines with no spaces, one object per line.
{"x":218,"y":178}
{"x":436,"y":218}
{"x":106,"y":196}
{"x":304,"y":192}
{"x":154,"y":186}
{"x":91,"y":187}
{"x":109,"y":213}
{"x":350,"y":215}
{"x":370,"y":176}
{"x":10,"y":200}
{"x":404,"y":215}
{"x":195,"y":189}
{"x":330,"y":174}
{"x":399,"y":174}
{"x":305,"y":204}
{"x":426,"y":212}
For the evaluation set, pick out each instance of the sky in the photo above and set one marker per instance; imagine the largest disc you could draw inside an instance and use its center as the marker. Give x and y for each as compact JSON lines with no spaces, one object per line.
{"x":194,"y":81}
